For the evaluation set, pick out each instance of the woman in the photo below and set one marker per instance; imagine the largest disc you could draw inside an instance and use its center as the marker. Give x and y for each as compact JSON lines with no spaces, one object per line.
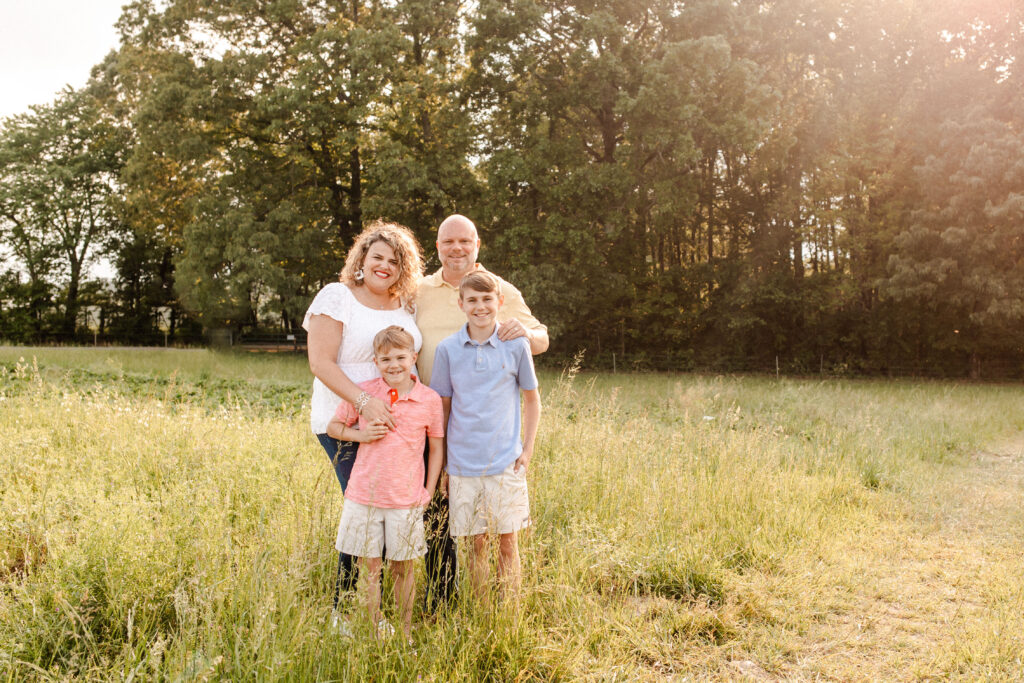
{"x":376,"y":289}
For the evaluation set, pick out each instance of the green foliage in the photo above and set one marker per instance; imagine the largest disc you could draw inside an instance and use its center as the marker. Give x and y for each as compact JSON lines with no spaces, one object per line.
{"x":59,"y":194}
{"x":292,"y":122}
{"x":962,"y":257}
{"x":712,"y":183}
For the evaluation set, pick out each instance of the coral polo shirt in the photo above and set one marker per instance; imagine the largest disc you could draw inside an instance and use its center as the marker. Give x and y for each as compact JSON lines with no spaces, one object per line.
{"x":389,"y":472}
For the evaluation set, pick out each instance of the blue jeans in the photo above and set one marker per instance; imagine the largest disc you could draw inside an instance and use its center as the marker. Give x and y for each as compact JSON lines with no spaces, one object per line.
{"x":442,"y":581}
{"x":342,"y":455}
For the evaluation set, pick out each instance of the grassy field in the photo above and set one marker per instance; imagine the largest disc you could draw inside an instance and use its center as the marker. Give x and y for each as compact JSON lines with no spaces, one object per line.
{"x":166,"y":514}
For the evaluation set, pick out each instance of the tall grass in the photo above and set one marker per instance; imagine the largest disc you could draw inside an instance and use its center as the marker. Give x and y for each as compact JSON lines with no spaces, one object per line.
{"x":166,"y":514}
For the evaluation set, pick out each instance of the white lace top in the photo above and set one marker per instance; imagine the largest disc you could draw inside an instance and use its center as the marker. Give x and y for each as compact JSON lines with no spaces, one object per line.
{"x":355,"y":356}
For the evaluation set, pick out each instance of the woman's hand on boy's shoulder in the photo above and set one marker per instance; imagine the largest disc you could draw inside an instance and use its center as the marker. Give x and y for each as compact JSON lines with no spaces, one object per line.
{"x":376,"y":411}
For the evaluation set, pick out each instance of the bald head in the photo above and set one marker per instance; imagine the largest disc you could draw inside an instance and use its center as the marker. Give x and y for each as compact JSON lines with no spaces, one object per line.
{"x":458,"y":223}
{"x":458,"y":246}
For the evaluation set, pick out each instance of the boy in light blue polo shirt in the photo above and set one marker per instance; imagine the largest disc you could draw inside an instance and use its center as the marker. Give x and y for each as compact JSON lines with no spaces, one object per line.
{"x":479,"y":378}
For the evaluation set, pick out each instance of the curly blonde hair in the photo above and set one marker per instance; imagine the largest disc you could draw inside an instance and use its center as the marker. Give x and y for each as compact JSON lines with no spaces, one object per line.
{"x":407,"y":251}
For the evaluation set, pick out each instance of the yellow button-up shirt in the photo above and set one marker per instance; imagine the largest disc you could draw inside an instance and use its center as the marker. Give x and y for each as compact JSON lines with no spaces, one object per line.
{"x":438,"y":315}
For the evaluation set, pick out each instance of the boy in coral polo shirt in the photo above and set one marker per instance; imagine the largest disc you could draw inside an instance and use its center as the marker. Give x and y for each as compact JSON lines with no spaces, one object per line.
{"x":386,"y":494}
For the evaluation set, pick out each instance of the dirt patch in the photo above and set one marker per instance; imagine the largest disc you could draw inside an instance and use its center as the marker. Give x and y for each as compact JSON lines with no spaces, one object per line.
{"x":917,"y":598}
{"x":749,"y":670}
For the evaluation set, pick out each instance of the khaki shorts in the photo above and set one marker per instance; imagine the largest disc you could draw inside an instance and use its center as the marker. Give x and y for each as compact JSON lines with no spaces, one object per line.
{"x":497,"y":504}
{"x":365,"y":531}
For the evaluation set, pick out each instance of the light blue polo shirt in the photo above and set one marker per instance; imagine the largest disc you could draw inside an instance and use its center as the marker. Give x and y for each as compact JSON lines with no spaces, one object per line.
{"x":483,"y":381}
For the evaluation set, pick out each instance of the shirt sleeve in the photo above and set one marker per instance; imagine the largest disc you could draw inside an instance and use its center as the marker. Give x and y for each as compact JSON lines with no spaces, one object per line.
{"x":440,"y":378}
{"x":436,"y":426}
{"x":346,"y":413}
{"x":515,"y":307}
{"x":334,"y":300}
{"x":526,"y":375}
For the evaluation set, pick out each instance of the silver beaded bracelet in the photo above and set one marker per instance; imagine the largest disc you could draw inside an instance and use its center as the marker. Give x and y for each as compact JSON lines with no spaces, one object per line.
{"x":361,"y":402}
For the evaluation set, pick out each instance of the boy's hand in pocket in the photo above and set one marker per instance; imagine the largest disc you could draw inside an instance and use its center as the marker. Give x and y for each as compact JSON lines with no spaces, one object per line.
{"x":522,"y":462}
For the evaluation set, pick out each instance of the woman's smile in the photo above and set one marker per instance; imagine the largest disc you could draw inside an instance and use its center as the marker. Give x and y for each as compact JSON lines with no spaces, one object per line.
{"x":381,"y":268}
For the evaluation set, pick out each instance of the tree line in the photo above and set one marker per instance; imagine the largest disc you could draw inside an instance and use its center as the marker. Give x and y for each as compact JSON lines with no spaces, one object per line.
{"x":710,"y":181}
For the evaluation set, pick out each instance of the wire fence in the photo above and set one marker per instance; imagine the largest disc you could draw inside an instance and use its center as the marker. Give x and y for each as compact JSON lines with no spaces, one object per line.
{"x":951,"y":367}
{"x":146,"y":339}
{"x":990,"y":369}
{"x":218,"y":338}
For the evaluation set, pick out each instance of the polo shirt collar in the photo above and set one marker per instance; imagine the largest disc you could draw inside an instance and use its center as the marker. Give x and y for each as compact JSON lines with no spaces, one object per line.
{"x":464,"y":337}
{"x":415,"y":394}
{"x":418,"y":391}
{"x":436,"y":279}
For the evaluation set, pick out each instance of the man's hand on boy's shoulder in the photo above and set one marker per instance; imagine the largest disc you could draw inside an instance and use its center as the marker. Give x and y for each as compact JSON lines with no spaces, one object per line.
{"x":523,"y":461}
{"x":536,"y":338}
{"x":512,"y":329}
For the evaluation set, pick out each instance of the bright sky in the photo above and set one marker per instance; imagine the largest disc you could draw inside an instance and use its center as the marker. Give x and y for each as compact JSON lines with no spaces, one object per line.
{"x":47,"y":44}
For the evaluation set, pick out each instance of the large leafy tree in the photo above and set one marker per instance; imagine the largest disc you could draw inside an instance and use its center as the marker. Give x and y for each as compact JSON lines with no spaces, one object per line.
{"x":962,"y":256}
{"x":285,"y":125}
{"x":423,"y":137}
{"x":59,"y":193}
{"x":955,"y":265}
{"x":609,"y":125}
{"x":716,"y":180}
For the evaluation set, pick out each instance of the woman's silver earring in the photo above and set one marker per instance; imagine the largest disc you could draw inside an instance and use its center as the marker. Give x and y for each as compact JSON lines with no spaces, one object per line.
{"x":359,"y":274}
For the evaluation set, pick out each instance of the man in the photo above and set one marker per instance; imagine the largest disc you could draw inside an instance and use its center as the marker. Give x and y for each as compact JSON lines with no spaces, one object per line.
{"x":438,"y":316}
{"x":437,"y":303}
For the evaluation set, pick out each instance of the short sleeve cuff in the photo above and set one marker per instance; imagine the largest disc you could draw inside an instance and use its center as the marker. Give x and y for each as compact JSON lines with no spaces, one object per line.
{"x":334,"y":301}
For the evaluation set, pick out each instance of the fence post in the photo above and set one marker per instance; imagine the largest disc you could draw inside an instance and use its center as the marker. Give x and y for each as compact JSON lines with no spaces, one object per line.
{"x":776,"y":367}
{"x":613,"y":362}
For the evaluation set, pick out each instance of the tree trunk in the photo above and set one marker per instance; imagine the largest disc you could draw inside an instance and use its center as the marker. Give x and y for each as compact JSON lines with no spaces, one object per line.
{"x":798,"y":250}
{"x":71,"y":301}
{"x":710,"y":203}
{"x":355,"y":191}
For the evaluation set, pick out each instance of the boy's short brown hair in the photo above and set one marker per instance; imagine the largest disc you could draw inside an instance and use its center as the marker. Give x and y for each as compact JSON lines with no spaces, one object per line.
{"x":393,"y":337}
{"x":480,"y":281}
